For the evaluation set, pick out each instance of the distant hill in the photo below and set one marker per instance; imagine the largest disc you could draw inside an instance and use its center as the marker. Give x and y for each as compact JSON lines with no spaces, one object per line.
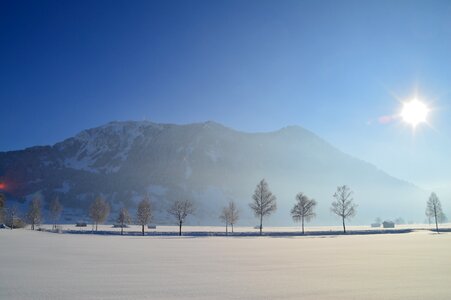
{"x":208,"y":163}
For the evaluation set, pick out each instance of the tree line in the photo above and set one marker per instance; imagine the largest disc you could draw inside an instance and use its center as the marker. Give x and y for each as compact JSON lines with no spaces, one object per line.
{"x":263,"y":204}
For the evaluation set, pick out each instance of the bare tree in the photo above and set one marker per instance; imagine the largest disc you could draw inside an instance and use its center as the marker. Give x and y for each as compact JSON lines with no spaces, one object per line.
{"x":180,"y":209}
{"x":123,"y":219}
{"x":234,"y":214}
{"x":264,"y":202}
{"x":34,"y":212}
{"x":344,"y":205}
{"x":303,"y":210}
{"x":144,"y":213}
{"x":12,"y":217}
{"x":55,"y":211}
{"x":225,"y":217}
{"x":434,"y":209}
{"x":229,"y":215}
{"x":99,"y":211}
{"x":2,"y":207}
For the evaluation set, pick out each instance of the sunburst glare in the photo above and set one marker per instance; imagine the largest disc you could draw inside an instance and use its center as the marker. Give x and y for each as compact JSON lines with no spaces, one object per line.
{"x":414,"y":112}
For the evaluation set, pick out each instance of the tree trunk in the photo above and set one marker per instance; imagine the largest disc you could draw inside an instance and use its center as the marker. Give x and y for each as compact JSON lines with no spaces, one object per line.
{"x":261,"y":224}
{"x":227,"y":229}
{"x":122,"y":229}
{"x":436,"y":222}
{"x":180,"y":228}
{"x":344,"y":226}
{"x":96,"y":226}
{"x":232,"y":227}
{"x":302,"y":225}
{"x":142,"y":229}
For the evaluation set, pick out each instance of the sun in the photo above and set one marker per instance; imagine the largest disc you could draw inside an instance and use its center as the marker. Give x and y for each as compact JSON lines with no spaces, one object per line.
{"x":414,"y":112}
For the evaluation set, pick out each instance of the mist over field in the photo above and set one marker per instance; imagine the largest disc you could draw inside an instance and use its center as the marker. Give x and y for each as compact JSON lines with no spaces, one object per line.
{"x":207,"y":163}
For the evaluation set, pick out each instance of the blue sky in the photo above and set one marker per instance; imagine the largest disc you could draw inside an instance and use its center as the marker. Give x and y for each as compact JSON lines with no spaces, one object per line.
{"x":333,"y":67}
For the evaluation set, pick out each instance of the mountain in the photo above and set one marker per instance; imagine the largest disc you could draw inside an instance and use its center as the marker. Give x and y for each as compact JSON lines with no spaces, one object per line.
{"x":205,"y":162}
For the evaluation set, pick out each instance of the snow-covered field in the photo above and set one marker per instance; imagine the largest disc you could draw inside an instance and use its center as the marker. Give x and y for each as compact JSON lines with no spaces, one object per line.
{"x":41,"y":265}
{"x":135,"y":229}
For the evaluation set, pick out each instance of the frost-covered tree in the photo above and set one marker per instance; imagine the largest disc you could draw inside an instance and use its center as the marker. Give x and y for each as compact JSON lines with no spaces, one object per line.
{"x":224,"y":217}
{"x":12,"y":217}
{"x":55,"y":211}
{"x":180,"y":209}
{"x":434,"y":209}
{"x":34,"y":212}
{"x":144,"y":213}
{"x":303,"y":210}
{"x":263,"y":202}
{"x":99,"y":211}
{"x":344,"y":205}
{"x":229,"y":215}
{"x":123,"y":219}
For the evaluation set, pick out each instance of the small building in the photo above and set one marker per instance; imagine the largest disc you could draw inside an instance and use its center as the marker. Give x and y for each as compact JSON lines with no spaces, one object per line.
{"x":376,"y":225}
{"x":120,"y":226}
{"x":388,"y":224}
{"x":152,"y":226}
{"x":81,"y":224}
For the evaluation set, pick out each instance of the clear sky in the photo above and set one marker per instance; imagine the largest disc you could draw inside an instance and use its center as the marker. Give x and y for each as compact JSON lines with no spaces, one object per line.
{"x":333,"y":67}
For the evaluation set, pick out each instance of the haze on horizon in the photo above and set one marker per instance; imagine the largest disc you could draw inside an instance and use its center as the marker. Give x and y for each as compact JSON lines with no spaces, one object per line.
{"x":339,"y":69}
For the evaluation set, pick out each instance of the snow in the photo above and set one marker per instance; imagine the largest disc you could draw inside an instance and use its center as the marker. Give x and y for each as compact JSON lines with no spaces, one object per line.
{"x":66,"y":186}
{"x":96,"y":143}
{"x":213,"y":155}
{"x":84,"y":165}
{"x":40,"y":265}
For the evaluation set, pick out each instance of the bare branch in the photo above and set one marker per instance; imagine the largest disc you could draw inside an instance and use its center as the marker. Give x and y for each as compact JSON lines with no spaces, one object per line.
{"x":264,"y":202}
{"x":34,"y":211}
{"x":55,"y":211}
{"x":229,"y":215}
{"x":434,"y":210}
{"x":343,"y":206}
{"x":144,"y":213}
{"x":99,"y":211}
{"x":123,"y":219}
{"x":180,"y":209}
{"x":303,"y":210}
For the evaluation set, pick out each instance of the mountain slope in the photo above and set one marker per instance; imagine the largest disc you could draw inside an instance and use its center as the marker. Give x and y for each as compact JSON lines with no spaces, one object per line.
{"x":208,"y":163}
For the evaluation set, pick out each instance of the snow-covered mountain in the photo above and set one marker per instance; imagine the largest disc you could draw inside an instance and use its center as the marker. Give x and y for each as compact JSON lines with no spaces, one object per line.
{"x":208,"y":163}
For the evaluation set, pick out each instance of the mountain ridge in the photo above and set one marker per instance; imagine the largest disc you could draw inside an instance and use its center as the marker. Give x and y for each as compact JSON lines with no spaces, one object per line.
{"x":208,"y":162}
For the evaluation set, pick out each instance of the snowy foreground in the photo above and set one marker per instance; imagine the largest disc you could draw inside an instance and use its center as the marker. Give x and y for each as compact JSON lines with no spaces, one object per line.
{"x":41,"y":265}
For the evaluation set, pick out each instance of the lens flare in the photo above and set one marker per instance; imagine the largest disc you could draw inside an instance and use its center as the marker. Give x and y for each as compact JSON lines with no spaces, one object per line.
{"x":414,"y":112}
